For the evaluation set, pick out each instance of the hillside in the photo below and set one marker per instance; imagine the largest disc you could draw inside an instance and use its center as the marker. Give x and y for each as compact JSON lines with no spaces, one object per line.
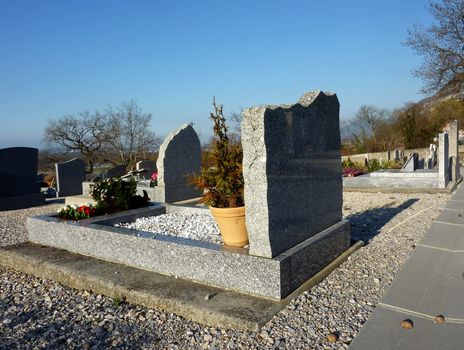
{"x":453,"y":90}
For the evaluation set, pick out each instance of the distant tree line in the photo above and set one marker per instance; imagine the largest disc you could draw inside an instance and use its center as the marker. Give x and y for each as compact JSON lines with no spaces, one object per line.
{"x":412,"y":126}
{"x":119,"y":135}
{"x":415,"y":125}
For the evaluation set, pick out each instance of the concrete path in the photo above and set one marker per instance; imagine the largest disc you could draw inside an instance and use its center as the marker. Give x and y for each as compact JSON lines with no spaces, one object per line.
{"x":431,"y":283}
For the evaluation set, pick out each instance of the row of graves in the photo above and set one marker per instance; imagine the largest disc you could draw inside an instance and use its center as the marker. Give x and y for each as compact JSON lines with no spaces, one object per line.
{"x":437,"y":171}
{"x":179,"y":155}
{"x":293,"y":196}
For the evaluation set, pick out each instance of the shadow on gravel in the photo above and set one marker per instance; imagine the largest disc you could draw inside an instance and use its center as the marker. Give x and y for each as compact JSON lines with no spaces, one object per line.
{"x":367,"y":224}
{"x":72,"y":334}
{"x":37,"y":329}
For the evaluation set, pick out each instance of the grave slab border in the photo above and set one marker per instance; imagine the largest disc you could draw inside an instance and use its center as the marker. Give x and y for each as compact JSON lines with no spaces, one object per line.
{"x":207,"y":263}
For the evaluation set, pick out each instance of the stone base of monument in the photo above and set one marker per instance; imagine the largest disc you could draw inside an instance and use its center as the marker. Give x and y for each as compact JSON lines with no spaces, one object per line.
{"x":174,"y":193}
{"x":21,"y":202}
{"x":203,"y":262}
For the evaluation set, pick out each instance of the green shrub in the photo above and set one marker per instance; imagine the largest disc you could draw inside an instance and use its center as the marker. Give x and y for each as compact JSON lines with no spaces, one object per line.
{"x":392,"y":164}
{"x":348,"y":163}
{"x":116,"y":194}
{"x":222,"y":183}
{"x":372,"y":165}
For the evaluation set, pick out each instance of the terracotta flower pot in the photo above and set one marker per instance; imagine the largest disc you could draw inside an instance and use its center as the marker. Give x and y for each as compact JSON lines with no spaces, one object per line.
{"x":231,"y":223}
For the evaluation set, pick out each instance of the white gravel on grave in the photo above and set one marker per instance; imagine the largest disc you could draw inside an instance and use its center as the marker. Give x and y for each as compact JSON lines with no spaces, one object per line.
{"x":194,"y":226}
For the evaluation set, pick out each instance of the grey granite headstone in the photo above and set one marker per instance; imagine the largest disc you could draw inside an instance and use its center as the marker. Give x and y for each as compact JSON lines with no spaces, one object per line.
{"x":433,"y":154}
{"x":454,"y":150}
{"x":18,"y":178}
{"x":148,"y":165}
{"x":443,"y":160}
{"x":428,"y":163}
{"x":421,"y":163}
{"x":179,"y":156}
{"x":118,"y":170}
{"x":411,"y":164}
{"x":69,"y":177}
{"x":291,"y":167}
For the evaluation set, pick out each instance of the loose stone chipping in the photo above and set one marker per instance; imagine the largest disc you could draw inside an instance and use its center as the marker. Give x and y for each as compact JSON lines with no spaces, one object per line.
{"x":194,"y":226}
{"x":36,"y":313}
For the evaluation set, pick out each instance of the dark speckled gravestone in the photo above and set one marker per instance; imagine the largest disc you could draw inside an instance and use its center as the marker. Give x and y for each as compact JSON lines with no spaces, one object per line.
{"x":18,"y":178}
{"x":69,"y":177}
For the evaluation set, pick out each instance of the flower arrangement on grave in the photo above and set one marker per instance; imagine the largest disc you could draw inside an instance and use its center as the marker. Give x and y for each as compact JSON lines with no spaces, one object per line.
{"x":222,"y":184}
{"x":154,"y":179}
{"x":352,"y":169}
{"x":352,"y":172}
{"x":75,"y":212}
{"x":111,"y":195}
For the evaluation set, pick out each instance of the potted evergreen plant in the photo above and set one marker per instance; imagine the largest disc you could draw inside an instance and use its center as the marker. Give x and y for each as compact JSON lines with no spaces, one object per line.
{"x":222,"y":183}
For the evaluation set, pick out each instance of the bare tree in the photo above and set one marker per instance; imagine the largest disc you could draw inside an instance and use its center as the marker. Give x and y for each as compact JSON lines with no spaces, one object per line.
{"x":85,"y":133}
{"x":369,"y":118}
{"x":119,"y":136}
{"x":441,"y":44}
{"x":129,"y":132}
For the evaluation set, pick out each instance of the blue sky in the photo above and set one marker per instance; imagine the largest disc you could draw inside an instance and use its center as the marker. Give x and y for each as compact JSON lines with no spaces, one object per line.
{"x":61,"y":57}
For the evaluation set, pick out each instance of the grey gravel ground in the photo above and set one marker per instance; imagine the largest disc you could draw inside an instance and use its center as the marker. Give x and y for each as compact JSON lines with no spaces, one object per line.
{"x":41,"y":314}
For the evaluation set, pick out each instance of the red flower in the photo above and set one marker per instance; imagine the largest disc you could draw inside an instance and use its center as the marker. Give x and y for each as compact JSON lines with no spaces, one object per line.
{"x":85,"y":209}
{"x":154,"y":176}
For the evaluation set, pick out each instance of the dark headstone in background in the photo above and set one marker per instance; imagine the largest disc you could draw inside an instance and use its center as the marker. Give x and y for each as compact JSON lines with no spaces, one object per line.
{"x":69,"y":177}
{"x":18,"y":178}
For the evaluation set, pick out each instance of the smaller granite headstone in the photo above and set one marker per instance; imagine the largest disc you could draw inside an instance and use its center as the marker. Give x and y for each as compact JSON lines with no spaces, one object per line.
{"x":411,"y":164}
{"x":69,"y":177}
{"x":179,"y":156}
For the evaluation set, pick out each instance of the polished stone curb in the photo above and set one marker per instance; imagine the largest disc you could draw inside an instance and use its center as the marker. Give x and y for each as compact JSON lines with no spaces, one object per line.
{"x":429,"y":284}
{"x":225,"y":309}
{"x":203,"y":262}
